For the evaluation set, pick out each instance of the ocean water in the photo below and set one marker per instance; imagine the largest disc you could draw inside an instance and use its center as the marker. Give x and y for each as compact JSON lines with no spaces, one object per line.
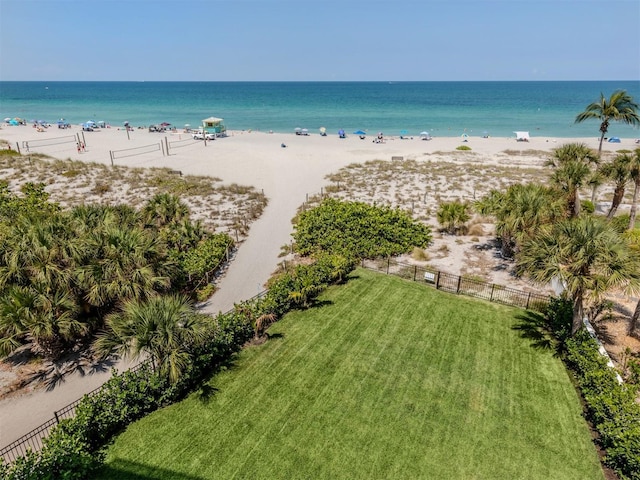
{"x":441,"y":108}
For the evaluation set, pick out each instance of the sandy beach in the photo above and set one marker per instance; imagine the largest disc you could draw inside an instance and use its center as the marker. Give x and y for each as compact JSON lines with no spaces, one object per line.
{"x":287,"y":176}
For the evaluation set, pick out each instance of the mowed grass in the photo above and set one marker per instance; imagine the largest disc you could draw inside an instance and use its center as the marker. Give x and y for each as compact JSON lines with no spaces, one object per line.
{"x":387,"y":380}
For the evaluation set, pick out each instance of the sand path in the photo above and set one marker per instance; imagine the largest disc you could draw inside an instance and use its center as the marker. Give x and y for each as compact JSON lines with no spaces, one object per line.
{"x":257,"y":159}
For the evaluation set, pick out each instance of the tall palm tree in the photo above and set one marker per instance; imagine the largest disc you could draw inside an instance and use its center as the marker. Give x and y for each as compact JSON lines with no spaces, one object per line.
{"x":587,"y":255}
{"x":571,"y":165}
{"x":619,"y":107}
{"x":166,"y":328}
{"x":634,"y":169}
{"x":618,"y":170}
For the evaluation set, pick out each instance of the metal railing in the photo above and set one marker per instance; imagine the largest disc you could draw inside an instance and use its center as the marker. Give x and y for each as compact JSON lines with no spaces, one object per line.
{"x":462,"y":285}
{"x":34,"y":439}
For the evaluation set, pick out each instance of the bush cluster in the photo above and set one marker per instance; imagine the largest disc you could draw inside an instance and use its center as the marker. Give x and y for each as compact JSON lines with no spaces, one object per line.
{"x":611,"y":407}
{"x":358,"y":230}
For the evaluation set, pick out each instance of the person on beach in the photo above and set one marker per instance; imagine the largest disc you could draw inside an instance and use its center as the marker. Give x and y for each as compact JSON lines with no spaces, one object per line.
{"x":78,"y":146}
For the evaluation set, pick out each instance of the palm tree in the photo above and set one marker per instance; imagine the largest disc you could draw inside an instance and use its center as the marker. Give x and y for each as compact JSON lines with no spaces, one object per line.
{"x":166,"y":328}
{"x":453,"y":215}
{"x":164,"y":209}
{"x":571,"y":165}
{"x":595,"y":181}
{"x":634,"y":169}
{"x":619,"y":170}
{"x":520,"y":212}
{"x":126,"y":265}
{"x":586,"y":254}
{"x":620,"y":107}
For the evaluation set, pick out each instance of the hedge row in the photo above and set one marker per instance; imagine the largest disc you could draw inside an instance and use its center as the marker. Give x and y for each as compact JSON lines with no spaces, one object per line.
{"x":611,"y":407}
{"x":74,"y":449}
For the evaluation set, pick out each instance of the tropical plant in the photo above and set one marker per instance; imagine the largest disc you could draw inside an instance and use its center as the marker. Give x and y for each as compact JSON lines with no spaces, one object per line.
{"x":166,"y":328}
{"x":635,"y":176}
{"x":453,"y":216}
{"x":586,"y":255}
{"x":619,"y":107}
{"x":571,"y":165}
{"x":520,"y":212}
{"x":163,"y":209}
{"x":127,"y":263}
{"x":619,"y":171}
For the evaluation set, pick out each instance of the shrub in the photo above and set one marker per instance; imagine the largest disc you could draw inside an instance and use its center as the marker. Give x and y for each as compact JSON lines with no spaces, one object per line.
{"x":463,"y":147}
{"x":611,"y":406}
{"x":357,"y":230}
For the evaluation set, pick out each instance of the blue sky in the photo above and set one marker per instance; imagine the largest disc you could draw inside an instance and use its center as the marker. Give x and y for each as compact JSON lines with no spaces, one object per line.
{"x":349,"y":40}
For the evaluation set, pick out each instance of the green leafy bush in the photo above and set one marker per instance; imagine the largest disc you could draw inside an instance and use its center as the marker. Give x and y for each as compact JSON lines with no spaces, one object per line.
{"x":357,"y":230}
{"x":611,"y":406}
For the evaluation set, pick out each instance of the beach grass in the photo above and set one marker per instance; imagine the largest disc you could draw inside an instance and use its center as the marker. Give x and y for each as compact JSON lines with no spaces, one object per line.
{"x":387,"y":379}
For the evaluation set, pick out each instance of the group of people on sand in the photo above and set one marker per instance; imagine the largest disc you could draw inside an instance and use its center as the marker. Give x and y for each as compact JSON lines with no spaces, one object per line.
{"x":379,"y":138}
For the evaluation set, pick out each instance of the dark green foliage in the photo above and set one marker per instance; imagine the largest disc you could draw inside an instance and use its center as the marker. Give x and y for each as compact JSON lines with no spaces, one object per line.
{"x":63,"y":272}
{"x":611,"y":407}
{"x":558,"y":317}
{"x":358,"y":230}
{"x":207,"y":255}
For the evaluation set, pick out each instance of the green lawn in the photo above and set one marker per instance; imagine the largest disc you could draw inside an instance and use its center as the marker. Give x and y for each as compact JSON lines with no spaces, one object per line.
{"x":389,"y":379}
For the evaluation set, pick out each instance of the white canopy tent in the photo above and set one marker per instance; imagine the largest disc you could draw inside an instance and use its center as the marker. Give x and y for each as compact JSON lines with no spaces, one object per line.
{"x":522,"y":136}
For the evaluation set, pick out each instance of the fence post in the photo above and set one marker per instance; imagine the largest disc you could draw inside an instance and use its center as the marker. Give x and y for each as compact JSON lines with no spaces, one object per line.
{"x":167,"y":145}
{"x":438,"y":281}
{"x":459,"y":281}
{"x":493,"y":286}
{"x":55,"y":414}
{"x":111,"y":156}
{"x":415,"y":272}
{"x":18,"y":148}
{"x":162,"y":148}
{"x":528,"y":298}
{"x":388,"y":264}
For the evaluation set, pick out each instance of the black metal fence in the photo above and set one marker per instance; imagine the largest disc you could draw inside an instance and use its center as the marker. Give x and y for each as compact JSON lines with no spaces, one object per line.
{"x":33,"y":440}
{"x":462,"y":285}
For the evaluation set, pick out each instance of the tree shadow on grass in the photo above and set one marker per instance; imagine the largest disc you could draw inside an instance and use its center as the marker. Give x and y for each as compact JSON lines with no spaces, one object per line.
{"x":127,"y":470}
{"x":532,"y":326}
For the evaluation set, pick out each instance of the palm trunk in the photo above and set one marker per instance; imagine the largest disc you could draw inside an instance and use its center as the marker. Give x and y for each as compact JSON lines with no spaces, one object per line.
{"x":600,"y":147}
{"x":618,"y":194}
{"x":578,"y":313}
{"x":634,"y":205}
{"x":573,"y":203}
{"x":634,"y":319}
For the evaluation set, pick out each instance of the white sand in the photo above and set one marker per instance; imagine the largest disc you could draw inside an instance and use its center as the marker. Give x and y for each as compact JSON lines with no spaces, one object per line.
{"x":257,"y":159}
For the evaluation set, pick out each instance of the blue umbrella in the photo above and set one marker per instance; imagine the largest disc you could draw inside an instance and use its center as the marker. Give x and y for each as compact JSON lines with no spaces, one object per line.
{"x":359,"y":132}
{"x":404,"y":132}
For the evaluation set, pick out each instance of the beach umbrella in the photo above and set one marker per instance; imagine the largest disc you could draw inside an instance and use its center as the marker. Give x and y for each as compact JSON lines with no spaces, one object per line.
{"x":404,"y":132}
{"x":305,"y":131}
{"x":298,"y":130}
{"x":187,"y":125}
{"x":7,"y":119}
{"x":323,"y":130}
{"x":359,"y":132}
{"x":424,"y":134}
